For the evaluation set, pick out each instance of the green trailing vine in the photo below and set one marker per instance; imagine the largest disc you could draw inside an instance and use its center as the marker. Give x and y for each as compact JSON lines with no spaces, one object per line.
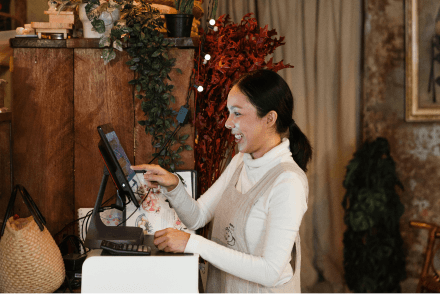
{"x":374,"y":260}
{"x":138,"y":31}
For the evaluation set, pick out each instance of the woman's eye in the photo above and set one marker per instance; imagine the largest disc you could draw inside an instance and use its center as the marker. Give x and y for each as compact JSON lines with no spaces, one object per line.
{"x":237,"y":114}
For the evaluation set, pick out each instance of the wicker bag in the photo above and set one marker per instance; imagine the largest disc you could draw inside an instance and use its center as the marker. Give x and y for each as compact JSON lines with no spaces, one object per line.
{"x":30,"y":260}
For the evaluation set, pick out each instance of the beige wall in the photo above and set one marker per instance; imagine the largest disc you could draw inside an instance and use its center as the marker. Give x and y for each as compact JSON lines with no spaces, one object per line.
{"x":35,"y":11}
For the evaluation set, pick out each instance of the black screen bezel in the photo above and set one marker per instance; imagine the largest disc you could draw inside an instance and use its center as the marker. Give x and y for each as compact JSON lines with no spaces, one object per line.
{"x":112,"y":164}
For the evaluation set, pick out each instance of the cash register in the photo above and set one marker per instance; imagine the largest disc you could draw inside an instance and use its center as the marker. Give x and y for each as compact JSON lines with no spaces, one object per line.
{"x":121,"y":258}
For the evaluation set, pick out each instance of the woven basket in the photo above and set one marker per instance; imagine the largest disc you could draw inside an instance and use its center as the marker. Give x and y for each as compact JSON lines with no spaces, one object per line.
{"x":30,"y":260}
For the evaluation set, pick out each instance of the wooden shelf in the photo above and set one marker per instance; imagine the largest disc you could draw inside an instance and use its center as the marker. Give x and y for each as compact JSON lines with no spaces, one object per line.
{"x":23,"y":42}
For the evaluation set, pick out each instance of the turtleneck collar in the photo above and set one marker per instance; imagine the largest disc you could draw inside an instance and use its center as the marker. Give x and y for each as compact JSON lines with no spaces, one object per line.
{"x":278,"y":151}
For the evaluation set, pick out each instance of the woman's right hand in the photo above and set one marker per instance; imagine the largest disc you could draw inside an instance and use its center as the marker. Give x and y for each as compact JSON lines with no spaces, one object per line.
{"x":156,"y":176}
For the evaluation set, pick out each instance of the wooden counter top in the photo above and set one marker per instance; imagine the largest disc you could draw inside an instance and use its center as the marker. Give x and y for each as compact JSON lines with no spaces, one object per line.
{"x":73,"y":43}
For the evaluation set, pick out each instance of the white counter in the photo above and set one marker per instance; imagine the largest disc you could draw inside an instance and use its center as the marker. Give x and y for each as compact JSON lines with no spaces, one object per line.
{"x":157,"y":273}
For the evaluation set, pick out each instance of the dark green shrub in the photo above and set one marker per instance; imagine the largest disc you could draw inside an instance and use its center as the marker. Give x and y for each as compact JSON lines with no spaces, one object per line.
{"x":373,"y":253}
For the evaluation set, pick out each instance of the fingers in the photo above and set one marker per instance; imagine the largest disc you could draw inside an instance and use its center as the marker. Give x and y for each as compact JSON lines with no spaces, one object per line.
{"x":148,"y":176}
{"x":171,"y":240}
{"x":156,"y":176}
{"x":153,"y":168}
{"x":161,"y":246}
{"x":161,"y":238}
{"x":160,"y":233}
{"x":153,"y":181}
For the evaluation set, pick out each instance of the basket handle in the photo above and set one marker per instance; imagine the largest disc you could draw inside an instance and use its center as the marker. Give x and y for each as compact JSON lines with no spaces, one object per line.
{"x":38,"y":217}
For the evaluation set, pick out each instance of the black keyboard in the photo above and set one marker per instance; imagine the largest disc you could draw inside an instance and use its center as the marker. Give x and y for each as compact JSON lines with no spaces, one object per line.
{"x":124,"y":249}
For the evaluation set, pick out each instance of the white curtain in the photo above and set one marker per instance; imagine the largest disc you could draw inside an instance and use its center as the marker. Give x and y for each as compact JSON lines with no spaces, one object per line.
{"x":323,"y":43}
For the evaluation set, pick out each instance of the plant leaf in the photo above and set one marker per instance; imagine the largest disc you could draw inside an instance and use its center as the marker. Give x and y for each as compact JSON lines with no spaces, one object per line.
{"x":98,"y":25}
{"x":104,"y":41}
{"x":108,"y":55}
{"x":118,"y":45}
{"x":156,"y":53}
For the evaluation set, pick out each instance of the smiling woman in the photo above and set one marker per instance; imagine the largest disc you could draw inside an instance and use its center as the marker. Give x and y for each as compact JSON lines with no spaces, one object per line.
{"x":257,"y":204}
{"x":272,"y":100}
{"x":253,"y":134}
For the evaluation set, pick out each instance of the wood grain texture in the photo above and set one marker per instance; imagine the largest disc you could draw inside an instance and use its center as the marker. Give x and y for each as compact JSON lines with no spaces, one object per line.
{"x":42,"y":125}
{"x":102,"y":95}
{"x":6,"y":116}
{"x":5,"y":165}
{"x":61,"y":96}
{"x":24,"y":42}
{"x":143,"y":147}
{"x":82,"y":43}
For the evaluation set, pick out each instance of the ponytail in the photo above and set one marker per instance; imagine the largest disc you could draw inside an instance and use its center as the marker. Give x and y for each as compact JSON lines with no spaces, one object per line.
{"x":299,"y":146}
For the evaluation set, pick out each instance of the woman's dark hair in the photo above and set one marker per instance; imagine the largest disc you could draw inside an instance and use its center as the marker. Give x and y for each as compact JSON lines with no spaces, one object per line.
{"x":268,"y":91}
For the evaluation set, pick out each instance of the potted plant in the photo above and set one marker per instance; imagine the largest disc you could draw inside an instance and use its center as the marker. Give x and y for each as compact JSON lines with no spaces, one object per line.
{"x":97,"y":16}
{"x":374,"y":260}
{"x":102,"y":15}
{"x":179,"y":25}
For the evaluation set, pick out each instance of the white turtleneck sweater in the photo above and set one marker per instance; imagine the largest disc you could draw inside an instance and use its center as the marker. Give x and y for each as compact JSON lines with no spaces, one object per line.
{"x":273,"y":221}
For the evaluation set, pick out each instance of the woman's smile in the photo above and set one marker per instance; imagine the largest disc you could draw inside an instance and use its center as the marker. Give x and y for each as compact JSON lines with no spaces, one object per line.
{"x":238,"y":138}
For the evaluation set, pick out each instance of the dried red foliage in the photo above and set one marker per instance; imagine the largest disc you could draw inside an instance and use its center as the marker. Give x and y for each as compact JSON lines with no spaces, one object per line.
{"x":235,"y":49}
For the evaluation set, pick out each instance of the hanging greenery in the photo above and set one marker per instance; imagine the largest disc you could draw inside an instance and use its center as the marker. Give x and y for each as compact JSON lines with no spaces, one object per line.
{"x":235,"y":49}
{"x":139,"y":27}
{"x":374,"y":260}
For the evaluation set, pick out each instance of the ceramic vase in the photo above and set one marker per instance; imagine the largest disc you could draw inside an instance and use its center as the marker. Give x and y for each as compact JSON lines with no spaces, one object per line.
{"x":107,"y":17}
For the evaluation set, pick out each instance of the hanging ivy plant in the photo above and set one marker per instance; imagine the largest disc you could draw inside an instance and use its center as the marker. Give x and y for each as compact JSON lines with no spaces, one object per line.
{"x":235,"y":49}
{"x":374,"y":260}
{"x":138,"y":28}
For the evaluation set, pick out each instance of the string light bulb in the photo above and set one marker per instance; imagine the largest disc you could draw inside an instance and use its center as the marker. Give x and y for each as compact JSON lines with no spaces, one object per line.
{"x":211,"y":25}
{"x":199,"y":88}
{"x":206,"y":57}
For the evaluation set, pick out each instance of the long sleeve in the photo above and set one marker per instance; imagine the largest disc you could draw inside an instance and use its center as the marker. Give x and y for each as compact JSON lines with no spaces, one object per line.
{"x":196,"y":214}
{"x":272,"y":268}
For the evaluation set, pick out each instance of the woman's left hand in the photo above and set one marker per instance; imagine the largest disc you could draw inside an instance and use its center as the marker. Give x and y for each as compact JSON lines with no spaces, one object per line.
{"x":171,"y":240}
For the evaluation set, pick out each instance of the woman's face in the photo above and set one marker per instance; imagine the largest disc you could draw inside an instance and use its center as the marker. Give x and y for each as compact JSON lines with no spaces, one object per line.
{"x":253,"y":134}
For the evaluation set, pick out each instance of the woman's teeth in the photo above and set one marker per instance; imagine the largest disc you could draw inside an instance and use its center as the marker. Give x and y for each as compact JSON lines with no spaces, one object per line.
{"x":238,"y":136}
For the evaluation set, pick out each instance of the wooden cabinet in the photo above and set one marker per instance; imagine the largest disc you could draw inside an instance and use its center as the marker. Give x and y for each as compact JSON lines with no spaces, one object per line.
{"x":5,"y":162}
{"x":60,"y":97}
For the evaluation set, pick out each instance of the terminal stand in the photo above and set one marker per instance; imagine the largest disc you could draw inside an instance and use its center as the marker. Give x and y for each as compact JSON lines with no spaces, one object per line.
{"x":98,"y":231}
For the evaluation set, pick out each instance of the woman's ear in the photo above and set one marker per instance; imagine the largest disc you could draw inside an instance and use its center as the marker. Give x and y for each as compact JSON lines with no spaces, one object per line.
{"x":271,"y":118}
